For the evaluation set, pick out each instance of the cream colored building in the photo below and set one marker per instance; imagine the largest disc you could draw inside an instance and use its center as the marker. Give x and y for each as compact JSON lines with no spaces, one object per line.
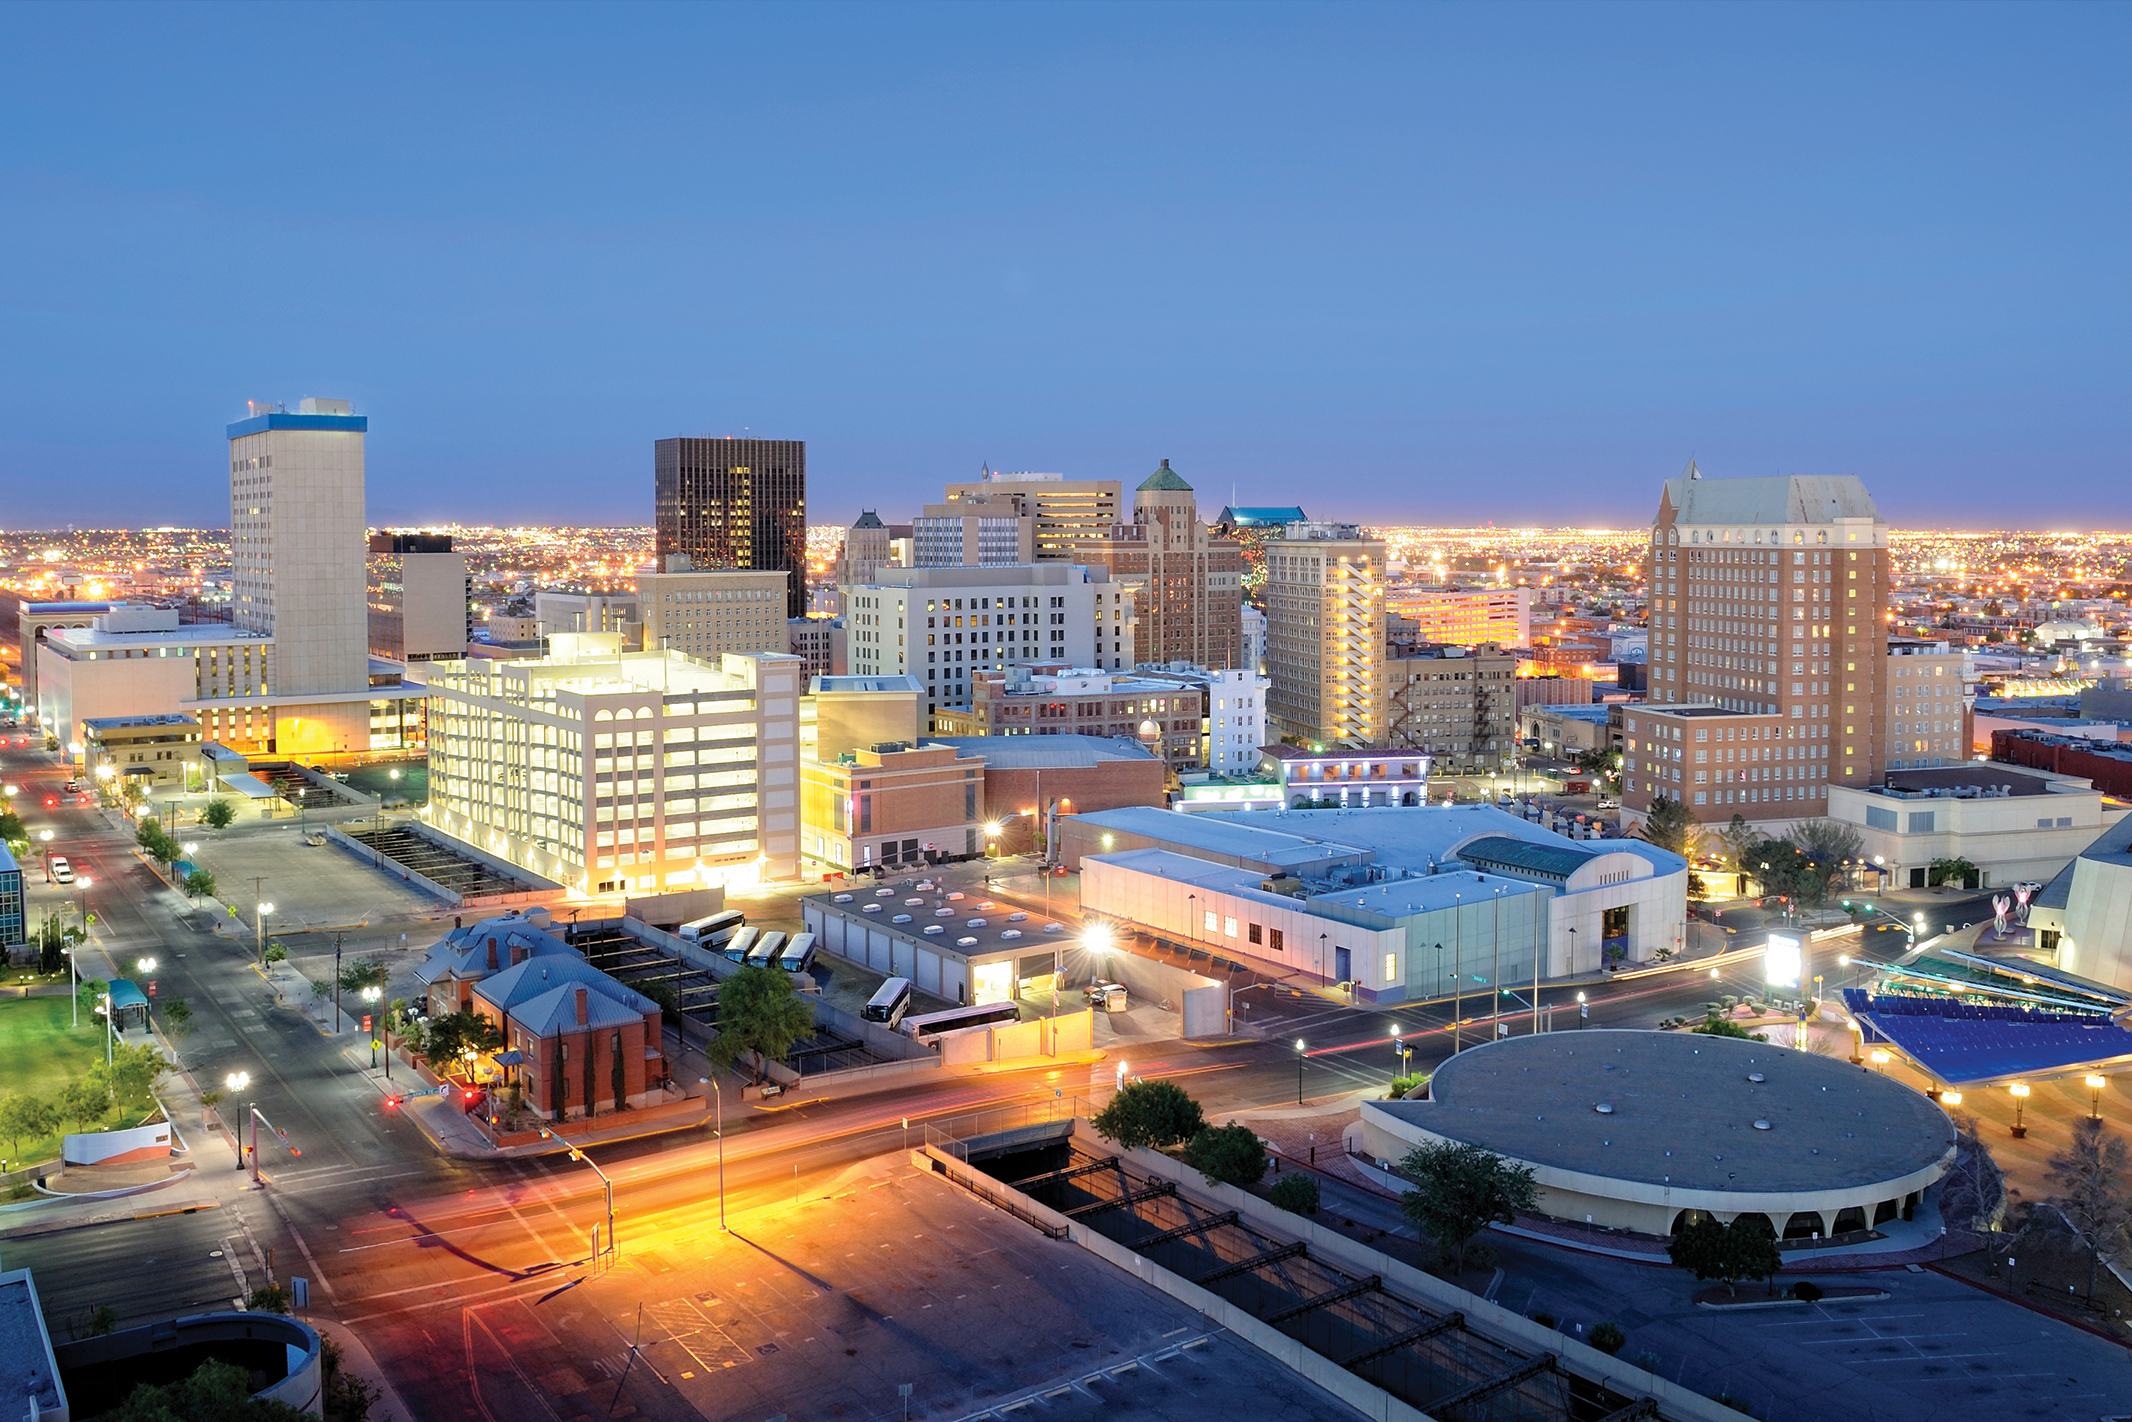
{"x":1464,"y":616}
{"x":610,"y":772}
{"x":2013,"y":823}
{"x":1066,"y":512}
{"x":1325,"y":635}
{"x":1931,"y":695}
{"x":708,"y":612}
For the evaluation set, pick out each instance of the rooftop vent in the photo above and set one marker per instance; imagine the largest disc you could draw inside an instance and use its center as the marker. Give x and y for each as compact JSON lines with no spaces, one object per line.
{"x":1604,"y":1108}
{"x":1761,"y":1125}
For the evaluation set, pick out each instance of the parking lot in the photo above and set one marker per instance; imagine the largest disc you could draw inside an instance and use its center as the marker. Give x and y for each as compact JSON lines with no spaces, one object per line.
{"x":311,"y":887}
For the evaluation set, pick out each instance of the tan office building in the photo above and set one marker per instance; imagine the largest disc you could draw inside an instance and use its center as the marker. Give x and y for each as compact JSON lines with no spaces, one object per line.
{"x":706,"y":613}
{"x":1191,"y":603}
{"x":1067,"y":512}
{"x":1459,"y":706}
{"x":892,"y":804}
{"x":1325,"y":635}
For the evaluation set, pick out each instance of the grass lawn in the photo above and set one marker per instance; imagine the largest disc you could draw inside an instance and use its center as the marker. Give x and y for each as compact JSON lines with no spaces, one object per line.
{"x":40,"y":1052}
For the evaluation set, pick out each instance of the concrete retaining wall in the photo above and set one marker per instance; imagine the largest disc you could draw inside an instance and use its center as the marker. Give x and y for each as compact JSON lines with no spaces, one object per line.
{"x":150,"y":1142}
{"x":364,"y":852}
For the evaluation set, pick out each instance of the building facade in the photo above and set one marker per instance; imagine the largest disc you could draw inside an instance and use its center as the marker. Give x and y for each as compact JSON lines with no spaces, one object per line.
{"x":298,"y":541}
{"x":705,"y":613}
{"x":421,"y":598}
{"x":1769,"y":598}
{"x":1459,"y":706}
{"x":1720,"y":763}
{"x":159,"y":752}
{"x":1464,"y":616}
{"x":32,"y":623}
{"x":2013,"y":825}
{"x":942,"y":626}
{"x":1065,"y":512}
{"x":1325,"y":635}
{"x":1194,"y":718}
{"x":1191,"y":584}
{"x":866,"y":551}
{"x":1929,"y":707}
{"x":735,"y":503}
{"x":973,"y":532}
{"x":892,"y":805}
{"x":609,"y":771}
{"x":821,"y":643}
{"x":1252,"y":529}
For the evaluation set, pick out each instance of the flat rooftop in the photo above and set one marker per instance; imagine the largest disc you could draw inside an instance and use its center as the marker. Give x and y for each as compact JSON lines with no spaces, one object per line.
{"x":1416,"y":837}
{"x":1999,"y":779}
{"x":1683,"y":1111}
{"x":971,"y":926}
{"x":1260,"y":843}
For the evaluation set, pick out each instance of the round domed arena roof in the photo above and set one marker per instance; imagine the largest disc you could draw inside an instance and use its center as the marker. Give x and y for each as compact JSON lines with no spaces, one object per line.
{"x":1682,"y":1111}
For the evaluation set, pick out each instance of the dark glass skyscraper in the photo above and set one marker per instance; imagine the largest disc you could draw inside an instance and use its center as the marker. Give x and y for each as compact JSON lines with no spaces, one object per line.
{"x":736,"y":503}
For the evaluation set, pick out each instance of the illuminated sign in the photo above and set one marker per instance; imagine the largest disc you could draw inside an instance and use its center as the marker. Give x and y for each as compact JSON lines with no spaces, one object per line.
{"x":1782,"y":961}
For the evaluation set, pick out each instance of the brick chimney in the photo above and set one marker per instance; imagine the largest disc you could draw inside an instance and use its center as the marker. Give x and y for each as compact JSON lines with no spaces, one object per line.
{"x":581,"y":1017}
{"x":519,"y":953}
{"x":492,"y":952}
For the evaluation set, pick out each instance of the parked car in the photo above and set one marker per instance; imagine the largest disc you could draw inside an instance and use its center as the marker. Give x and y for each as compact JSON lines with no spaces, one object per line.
{"x":62,"y":872}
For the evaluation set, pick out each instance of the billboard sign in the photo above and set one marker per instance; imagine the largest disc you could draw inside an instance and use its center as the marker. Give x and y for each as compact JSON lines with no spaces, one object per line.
{"x":1782,"y":961}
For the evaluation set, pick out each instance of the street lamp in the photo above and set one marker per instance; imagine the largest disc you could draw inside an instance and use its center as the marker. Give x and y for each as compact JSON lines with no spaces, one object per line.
{"x":1950,"y":1098}
{"x":2095,"y":1085}
{"x":259,"y":930}
{"x":992,"y":829}
{"x":1880,"y":1061}
{"x":1299,"y":1071}
{"x":1584,"y":1012}
{"x":2020,"y":1095}
{"x":578,"y":1155}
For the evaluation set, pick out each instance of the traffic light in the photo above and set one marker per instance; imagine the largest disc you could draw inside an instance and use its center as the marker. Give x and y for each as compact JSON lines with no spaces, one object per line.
{"x":391,"y":1102}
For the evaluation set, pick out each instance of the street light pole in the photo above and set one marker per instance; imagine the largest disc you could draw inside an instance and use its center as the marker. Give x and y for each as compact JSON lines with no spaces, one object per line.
{"x":1299,"y":1071}
{"x":718,"y":1096}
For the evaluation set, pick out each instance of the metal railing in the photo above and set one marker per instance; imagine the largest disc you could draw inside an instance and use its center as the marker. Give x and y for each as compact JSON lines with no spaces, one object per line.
{"x":953,"y":1134}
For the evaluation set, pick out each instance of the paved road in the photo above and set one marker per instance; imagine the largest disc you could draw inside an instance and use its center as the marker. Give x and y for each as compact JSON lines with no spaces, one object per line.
{"x":400,"y":1243}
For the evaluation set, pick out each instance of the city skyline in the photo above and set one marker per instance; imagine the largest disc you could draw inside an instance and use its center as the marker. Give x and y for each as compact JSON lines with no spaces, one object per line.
{"x":1462,"y":254}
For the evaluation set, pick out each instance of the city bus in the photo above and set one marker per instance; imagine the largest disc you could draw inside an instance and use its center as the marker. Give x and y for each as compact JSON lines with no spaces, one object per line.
{"x":931,"y":1024}
{"x":766,"y":949}
{"x":714,"y":931}
{"x":798,"y":955}
{"x":889,"y":1003}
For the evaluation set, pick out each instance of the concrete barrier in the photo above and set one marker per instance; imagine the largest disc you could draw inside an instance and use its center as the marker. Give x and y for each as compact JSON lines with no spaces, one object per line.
{"x":334,"y":835}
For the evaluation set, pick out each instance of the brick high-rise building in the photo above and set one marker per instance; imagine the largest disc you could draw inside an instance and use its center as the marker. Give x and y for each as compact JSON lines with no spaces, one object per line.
{"x":1768,"y":605}
{"x":1192,"y":584}
{"x":735,"y":503}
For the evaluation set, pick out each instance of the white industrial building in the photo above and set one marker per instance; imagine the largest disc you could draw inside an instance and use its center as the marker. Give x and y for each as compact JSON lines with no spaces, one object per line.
{"x":1404,"y":904}
{"x":2013,"y":823}
{"x":608,"y":771}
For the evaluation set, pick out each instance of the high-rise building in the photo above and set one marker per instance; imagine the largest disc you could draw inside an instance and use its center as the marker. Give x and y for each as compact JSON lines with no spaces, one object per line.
{"x":297,"y":539}
{"x":973,"y":533}
{"x":941,"y":626}
{"x":1462,"y":617}
{"x":1325,"y":635}
{"x":619,"y":772}
{"x":1066,"y":512}
{"x":1768,"y":603}
{"x":705,"y":613}
{"x":421,"y":598}
{"x":866,"y":550}
{"x":1930,"y":705}
{"x":735,"y":503}
{"x":1253,"y":529}
{"x":1461,"y":706}
{"x":1191,"y":585}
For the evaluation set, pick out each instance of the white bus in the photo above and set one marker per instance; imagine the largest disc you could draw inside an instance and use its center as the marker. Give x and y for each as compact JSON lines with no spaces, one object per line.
{"x":714,"y":931}
{"x":798,"y":955}
{"x":889,"y":1003}
{"x":931,"y":1024}
{"x":737,"y":947}
{"x":766,"y":949}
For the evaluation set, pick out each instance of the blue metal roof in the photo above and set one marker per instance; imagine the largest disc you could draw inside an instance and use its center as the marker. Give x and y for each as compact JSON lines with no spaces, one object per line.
{"x":1963,"y":1044}
{"x":260,"y":424}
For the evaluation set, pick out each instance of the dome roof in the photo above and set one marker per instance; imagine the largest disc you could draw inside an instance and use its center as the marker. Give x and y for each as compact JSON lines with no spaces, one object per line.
{"x":1165,"y":478}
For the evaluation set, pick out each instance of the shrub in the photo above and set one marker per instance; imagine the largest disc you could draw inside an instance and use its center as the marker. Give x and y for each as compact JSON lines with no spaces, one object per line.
{"x":1296,"y":1193}
{"x":1544,"y":1319}
{"x":1806,"y":1291}
{"x":1404,"y":1086}
{"x":1149,"y":1113}
{"x":1608,"y":1337}
{"x":275,"y":953}
{"x":219,"y":814}
{"x":269,"y":1298}
{"x":1227,"y":1155}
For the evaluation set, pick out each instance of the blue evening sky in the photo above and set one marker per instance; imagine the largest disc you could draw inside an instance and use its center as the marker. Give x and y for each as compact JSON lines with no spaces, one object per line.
{"x":1394,"y":263}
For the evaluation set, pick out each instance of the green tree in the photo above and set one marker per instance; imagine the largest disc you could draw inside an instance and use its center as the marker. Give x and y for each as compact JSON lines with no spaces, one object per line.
{"x":1827,"y":847}
{"x":1958,"y":872}
{"x":1460,"y":1189}
{"x":199,"y":884}
{"x":177,"y":1018}
{"x":85,"y":1101}
{"x":1227,"y":1155}
{"x":216,"y":1392}
{"x":1715,"y":1026}
{"x":275,"y":953}
{"x":269,"y":1298}
{"x":12,"y":832}
{"x":1607,"y":1337}
{"x":1974,"y":1192}
{"x":136,"y":1068}
{"x":91,"y":991}
{"x":1669,"y":825}
{"x":1737,"y":843}
{"x":150,"y":837}
{"x":759,"y":1011}
{"x":1295,"y":1192}
{"x":26,"y":1117}
{"x":366,"y":972}
{"x":1744,"y":1249}
{"x":219,"y":814}
{"x":1154,"y":1114}
{"x":452,"y":1035}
